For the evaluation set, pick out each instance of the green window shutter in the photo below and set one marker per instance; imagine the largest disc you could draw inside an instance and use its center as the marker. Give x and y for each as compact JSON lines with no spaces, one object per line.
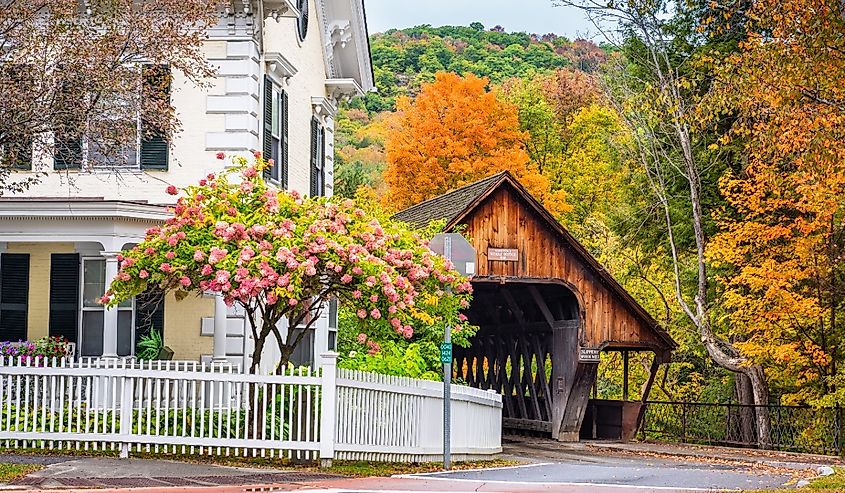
{"x":322,"y":161}
{"x":267,"y":131}
{"x":149,"y":313}
{"x":16,"y":149}
{"x":283,"y":166}
{"x":14,"y":296}
{"x":314,"y":189}
{"x":17,"y":152}
{"x":154,"y":146}
{"x":67,"y":153}
{"x":64,"y":295}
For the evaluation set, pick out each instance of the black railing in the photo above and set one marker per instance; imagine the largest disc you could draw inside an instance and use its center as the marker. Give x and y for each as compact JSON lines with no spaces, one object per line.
{"x":792,"y":428}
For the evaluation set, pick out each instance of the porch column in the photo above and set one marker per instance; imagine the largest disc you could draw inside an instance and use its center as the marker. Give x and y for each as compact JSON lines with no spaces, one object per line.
{"x":220,"y":320}
{"x":110,"y":315}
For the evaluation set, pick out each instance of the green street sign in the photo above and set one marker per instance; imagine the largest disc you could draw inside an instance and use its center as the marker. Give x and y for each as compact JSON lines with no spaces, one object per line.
{"x":445,"y":352}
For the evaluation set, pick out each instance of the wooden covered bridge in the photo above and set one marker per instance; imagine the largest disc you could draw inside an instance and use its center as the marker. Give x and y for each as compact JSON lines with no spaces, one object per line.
{"x":546,"y":309}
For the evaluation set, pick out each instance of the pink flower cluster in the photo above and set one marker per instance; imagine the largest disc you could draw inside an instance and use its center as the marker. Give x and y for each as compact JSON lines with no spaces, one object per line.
{"x":255,"y":242}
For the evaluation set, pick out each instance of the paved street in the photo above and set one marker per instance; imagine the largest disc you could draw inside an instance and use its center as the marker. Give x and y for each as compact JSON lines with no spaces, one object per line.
{"x":547,"y":466}
{"x":656,"y":473}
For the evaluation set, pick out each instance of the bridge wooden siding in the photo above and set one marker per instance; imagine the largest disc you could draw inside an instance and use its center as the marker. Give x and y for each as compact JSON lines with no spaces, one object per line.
{"x":507,"y":219}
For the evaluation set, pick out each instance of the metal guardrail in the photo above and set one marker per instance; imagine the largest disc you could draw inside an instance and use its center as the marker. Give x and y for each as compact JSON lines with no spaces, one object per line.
{"x":793,"y":428}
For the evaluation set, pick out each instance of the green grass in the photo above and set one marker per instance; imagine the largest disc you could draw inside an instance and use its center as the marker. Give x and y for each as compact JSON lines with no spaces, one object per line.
{"x":10,"y":472}
{"x":834,"y":483}
{"x":342,"y":467}
{"x":368,"y":469}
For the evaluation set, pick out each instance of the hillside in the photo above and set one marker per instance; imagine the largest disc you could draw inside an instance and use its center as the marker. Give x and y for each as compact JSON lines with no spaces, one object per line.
{"x":405,"y":59}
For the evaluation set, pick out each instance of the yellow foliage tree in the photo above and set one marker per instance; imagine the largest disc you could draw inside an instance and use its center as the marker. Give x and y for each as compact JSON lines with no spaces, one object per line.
{"x":782,"y":241}
{"x":454,"y":132}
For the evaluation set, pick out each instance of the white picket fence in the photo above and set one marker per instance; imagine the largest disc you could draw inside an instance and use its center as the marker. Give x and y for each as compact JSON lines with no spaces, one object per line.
{"x":382,"y":417}
{"x":188,"y":407}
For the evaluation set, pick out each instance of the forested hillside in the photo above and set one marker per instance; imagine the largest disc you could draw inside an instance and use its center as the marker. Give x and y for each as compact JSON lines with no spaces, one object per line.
{"x":405,"y":59}
{"x":698,"y":160}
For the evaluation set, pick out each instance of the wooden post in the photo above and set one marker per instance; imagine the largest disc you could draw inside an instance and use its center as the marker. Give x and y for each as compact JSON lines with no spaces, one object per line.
{"x":625,"y":375}
{"x":652,"y":374}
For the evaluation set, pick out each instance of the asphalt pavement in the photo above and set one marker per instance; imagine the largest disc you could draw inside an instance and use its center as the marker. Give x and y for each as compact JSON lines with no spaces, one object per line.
{"x":546,"y":466}
{"x":636,"y":473}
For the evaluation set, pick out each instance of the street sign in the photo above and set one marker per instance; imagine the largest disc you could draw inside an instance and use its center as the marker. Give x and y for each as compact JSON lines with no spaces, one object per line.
{"x":461,"y":253}
{"x":456,"y":248}
{"x":589,"y":355}
{"x":445,"y":352}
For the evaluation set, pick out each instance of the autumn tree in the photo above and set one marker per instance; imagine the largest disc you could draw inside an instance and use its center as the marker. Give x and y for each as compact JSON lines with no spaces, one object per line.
{"x":281,"y":257}
{"x":658,"y":102}
{"x":71,"y":68}
{"x":454,"y":132}
{"x":782,"y":238}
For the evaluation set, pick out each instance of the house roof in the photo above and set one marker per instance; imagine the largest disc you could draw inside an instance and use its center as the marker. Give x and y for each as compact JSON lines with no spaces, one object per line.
{"x":455,"y":205}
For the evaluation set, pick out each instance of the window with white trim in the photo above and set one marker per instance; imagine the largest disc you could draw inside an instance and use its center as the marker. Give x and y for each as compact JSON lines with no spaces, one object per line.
{"x":92,"y":316}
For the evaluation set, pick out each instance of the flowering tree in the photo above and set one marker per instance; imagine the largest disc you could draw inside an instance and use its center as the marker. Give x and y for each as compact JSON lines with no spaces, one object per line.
{"x":280,"y":255}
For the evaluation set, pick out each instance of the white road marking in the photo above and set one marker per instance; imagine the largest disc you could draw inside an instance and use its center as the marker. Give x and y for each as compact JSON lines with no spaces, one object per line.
{"x":562,"y":483}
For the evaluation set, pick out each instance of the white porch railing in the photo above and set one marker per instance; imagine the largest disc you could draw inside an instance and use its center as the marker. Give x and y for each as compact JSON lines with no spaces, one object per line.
{"x":169,"y":407}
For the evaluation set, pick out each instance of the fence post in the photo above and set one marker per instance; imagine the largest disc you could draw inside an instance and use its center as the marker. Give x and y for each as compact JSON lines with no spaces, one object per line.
{"x":127,"y":392}
{"x":328,"y":407}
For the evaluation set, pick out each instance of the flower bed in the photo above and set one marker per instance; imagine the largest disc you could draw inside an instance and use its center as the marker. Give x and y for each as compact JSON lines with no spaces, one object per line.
{"x":45,"y":348}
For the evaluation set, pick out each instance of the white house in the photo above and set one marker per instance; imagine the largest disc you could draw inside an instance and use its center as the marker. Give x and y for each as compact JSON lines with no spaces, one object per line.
{"x":283,"y":66}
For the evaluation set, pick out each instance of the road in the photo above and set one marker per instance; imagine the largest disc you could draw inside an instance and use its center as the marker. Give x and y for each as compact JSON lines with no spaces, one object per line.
{"x":546,"y":467}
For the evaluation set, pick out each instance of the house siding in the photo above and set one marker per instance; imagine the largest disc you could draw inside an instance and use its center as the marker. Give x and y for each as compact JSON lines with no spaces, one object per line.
{"x":182,"y":321}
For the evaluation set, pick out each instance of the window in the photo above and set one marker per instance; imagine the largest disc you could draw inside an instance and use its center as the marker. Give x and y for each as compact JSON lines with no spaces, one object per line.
{"x":149,"y":151}
{"x":93,"y":313}
{"x":14,"y":296}
{"x":275,"y":138}
{"x":318,"y":159}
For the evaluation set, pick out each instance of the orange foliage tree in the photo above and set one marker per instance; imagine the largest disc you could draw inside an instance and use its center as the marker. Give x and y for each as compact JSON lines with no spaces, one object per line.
{"x":455,"y":132}
{"x":782,"y":240}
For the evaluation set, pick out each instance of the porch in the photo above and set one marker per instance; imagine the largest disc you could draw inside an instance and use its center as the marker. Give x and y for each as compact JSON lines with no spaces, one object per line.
{"x":57,"y":256}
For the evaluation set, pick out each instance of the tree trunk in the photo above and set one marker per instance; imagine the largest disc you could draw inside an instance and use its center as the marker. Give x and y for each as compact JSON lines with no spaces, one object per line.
{"x":728,"y":357}
{"x":760,"y":390}
{"x":745,"y":397}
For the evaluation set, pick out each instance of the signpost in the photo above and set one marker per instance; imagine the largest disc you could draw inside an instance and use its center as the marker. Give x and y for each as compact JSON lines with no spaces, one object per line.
{"x":456,"y":248}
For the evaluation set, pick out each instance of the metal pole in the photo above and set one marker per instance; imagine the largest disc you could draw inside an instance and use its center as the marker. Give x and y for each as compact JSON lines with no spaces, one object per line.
{"x":447,"y":377}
